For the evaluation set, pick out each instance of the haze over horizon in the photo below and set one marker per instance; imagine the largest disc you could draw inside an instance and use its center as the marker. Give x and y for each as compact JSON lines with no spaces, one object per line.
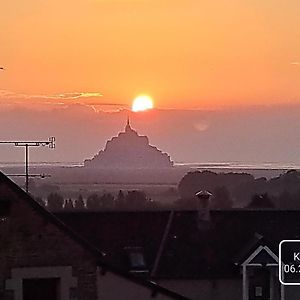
{"x":248,"y":134}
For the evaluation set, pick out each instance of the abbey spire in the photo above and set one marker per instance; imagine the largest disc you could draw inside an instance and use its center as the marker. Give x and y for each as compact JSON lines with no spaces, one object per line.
{"x":129,"y":150}
{"x":128,"y":127}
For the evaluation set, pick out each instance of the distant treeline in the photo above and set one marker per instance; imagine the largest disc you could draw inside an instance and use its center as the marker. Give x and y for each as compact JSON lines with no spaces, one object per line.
{"x":131,"y":200}
{"x":242,"y":190}
{"x":229,"y":190}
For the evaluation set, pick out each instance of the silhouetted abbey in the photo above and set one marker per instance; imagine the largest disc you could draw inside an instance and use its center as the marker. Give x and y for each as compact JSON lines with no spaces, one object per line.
{"x":129,"y":151}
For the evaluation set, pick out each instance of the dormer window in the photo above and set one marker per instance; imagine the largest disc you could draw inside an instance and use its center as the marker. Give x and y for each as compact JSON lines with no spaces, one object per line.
{"x":136,"y":259}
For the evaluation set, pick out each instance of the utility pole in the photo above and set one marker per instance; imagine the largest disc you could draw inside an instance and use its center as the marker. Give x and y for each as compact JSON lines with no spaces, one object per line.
{"x":50,"y":143}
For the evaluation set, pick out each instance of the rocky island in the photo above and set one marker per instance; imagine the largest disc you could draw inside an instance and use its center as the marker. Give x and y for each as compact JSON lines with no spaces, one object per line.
{"x":129,"y":150}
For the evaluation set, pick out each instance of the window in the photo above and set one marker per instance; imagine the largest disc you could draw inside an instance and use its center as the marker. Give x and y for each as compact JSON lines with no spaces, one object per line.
{"x":37,"y":289}
{"x":258,"y":291}
{"x":136,"y":259}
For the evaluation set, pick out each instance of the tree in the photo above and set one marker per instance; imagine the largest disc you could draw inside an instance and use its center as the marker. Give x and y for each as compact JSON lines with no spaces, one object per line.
{"x":239,"y":185}
{"x":79,"y":203}
{"x":221,"y":198}
{"x":106,"y":201}
{"x":186,"y":203}
{"x":288,"y":200}
{"x":152,"y":204}
{"x":69,"y":204}
{"x":136,"y":200}
{"x":120,"y":201}
{"x":55,"y":202}
{"x":93,"y":202}
{"x":193,"y":182}
{"x":261,"y":201}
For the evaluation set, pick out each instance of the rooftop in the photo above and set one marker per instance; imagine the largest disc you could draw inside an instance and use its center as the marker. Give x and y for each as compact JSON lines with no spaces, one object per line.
{"x":177,"y":245}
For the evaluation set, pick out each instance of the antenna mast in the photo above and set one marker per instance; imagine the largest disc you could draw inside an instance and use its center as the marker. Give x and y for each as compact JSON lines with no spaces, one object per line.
{"x":50,"y":143}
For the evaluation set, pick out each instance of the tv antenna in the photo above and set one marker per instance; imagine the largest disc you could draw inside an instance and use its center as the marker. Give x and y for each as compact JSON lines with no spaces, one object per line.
{"x":26,"y":144}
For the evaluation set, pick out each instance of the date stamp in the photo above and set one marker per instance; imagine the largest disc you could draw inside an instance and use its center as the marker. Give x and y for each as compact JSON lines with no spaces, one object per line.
{"x":289,"y":262}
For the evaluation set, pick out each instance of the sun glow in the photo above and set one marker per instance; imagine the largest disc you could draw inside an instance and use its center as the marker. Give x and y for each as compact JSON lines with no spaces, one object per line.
{"x":142,"y":103}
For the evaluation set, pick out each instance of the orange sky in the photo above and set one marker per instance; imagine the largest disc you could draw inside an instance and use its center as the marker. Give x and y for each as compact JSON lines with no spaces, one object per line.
{"x":184,"y":53}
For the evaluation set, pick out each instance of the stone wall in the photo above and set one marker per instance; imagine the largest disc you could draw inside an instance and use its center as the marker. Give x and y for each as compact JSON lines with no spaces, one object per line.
{"x":30,"y":240}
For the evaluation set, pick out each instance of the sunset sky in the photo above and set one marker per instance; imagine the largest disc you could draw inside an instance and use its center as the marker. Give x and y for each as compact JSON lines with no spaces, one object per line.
{"x":186,"y":54}
{"x":224,"y":76}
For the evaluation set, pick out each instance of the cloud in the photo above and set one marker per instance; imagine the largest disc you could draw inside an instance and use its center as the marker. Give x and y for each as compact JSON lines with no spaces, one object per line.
{"x":5,"y":93}
{"x":66,"y":96}
{"x":76,"y":95}
{"x":62,"y":96}
{"x":42,"y":101}
{"x":295,"y":63}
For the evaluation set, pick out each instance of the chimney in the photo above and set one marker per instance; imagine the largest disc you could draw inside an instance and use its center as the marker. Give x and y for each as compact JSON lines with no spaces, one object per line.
{"x":203,"y":205}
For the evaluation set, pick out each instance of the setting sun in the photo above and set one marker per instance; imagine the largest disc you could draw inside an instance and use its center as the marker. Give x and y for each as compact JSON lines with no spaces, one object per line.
{"x":142,"y":103}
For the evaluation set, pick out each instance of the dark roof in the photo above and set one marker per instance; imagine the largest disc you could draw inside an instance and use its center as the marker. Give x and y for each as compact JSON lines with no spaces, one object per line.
{"x":85,"y":242}
{"x":112,"y":232}
{"x":191,"y":249}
